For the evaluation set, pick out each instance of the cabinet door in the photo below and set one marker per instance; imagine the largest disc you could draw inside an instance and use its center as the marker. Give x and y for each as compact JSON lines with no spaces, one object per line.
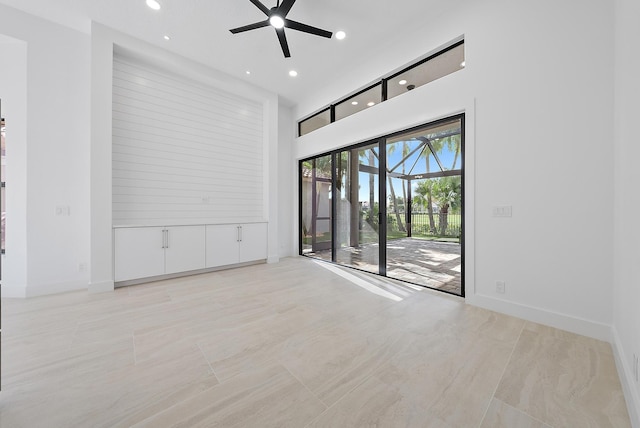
{"x":253,"y":242}
{"x":139,"y":253}
{"x":184,"y":248}
{"x":222,"y":245}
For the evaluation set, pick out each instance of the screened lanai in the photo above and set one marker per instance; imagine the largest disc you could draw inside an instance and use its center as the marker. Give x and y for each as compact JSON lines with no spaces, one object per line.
{"x":416,"y":234}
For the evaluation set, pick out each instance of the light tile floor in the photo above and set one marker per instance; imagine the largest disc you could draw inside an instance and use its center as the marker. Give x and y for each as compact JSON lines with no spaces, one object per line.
{"x":294,"y":344}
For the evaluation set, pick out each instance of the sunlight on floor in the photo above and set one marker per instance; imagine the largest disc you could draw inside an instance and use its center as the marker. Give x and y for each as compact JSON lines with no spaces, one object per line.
{"x":359,"y":282}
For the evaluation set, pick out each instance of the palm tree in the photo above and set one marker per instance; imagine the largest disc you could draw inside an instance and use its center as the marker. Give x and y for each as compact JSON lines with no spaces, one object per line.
{"x":426,"y":153}
{"x":453,"y":143}
{"x":369,"y":155}
{"x":407,"y":209}
{"x":447,"y":192}
{"x":423,"y":197}
{"x":391,"y":148}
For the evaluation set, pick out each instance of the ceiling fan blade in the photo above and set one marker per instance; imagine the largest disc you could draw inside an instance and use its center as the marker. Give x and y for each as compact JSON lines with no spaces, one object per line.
{"x":250,"y":27}
{"x":285,"y":7}
{"x":283,"y":42}
{"x":294,"y":25}
{"x":260,"y":6}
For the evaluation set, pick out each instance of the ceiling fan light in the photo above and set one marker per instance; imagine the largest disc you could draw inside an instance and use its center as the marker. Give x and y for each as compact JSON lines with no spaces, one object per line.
{"x":276,"y":21}
{"x":340,"y":35}
{"x":153,"y":4}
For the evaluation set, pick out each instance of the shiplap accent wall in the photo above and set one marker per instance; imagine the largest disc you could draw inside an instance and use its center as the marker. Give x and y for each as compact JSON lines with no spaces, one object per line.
{"x":183,"y":152}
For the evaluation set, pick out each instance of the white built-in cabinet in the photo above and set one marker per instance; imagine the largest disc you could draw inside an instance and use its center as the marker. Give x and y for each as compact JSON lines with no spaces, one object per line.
{"x":229,"y":244}
{"x":184,"y":248}
{"x":146,"y":252}
{"x":142,"y":252}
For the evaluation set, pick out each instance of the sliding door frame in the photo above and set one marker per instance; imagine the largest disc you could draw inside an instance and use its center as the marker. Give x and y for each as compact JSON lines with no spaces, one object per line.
{"x":382,"y":195}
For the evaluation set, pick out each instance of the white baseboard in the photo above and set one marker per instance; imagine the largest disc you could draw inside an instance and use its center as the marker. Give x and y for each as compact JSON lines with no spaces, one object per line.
{"x":625,"y":373}
{"x":576,"y":325}
{"x":35,"y":290}
{"x":101,"y":287}
{"x":13,"y":291}
{"x":273,"y":259}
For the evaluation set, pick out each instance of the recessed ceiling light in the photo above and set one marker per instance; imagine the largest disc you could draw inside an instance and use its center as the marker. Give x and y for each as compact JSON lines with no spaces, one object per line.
{"x":462,"y":64}
{"x":153,"y":4}
{"x":371,"y":103}
{"x":167,"y":38}
{"x":402,"y":82}
{"x":293,"y":73}
{"x":355,"y":103}
{"x":341,"y":35}
{"x":248,"y":72}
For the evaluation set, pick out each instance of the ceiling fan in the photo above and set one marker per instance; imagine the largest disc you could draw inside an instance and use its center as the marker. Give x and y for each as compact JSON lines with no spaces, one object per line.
{"x":277,"y":18}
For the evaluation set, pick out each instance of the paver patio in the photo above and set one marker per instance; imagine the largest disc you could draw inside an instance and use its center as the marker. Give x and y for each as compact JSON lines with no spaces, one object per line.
{"x":429,"y":263}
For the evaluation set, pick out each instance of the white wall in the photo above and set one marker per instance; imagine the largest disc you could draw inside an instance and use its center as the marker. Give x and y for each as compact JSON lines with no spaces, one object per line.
{"x":287,"y":183}
{"x":62,"y":145}
{"x":54,"y":155}
{"x":103,"y":40}
{"x":539,"y":122}
{"x":13,"y":92}
{"x":626,"y":313}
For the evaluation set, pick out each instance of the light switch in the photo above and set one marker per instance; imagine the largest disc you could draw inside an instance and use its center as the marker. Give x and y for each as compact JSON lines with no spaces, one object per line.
{"x":63,"y":210}
{"x":502,"y":211}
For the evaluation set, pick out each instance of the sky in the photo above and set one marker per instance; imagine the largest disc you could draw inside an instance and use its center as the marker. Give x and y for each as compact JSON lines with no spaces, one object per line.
{"x":414,"y":164}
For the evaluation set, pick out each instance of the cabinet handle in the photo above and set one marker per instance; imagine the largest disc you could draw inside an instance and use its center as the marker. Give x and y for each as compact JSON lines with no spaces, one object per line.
{"x":165,"y":238}
{"x":238,"y":234}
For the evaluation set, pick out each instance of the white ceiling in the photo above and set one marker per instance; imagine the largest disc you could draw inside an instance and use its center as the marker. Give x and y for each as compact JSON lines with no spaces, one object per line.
{"x":199,"y":30}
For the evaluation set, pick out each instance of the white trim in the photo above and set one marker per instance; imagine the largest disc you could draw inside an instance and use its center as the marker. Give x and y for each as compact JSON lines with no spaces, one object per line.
{"x":14,"y":291}
{"x":54,"y":288}
{"x":569,"y":323}
{"x":625,"y":373}
{"x":101,"y":287}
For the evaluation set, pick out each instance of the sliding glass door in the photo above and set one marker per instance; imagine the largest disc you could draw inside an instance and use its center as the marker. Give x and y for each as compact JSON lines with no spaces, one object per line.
{"x":358,"y":206}
{"x":393,"y":206}
{"x":424,"y":195}
{"x":316,"y":207}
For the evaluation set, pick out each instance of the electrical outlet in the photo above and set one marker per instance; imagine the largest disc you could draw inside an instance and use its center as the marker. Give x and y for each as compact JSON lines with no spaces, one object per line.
{"x":500,"y":287}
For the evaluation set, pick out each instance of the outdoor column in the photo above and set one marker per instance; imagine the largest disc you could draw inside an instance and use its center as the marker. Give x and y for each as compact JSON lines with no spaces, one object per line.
{"x":354,"y":204}
{"x":408,"y":209}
